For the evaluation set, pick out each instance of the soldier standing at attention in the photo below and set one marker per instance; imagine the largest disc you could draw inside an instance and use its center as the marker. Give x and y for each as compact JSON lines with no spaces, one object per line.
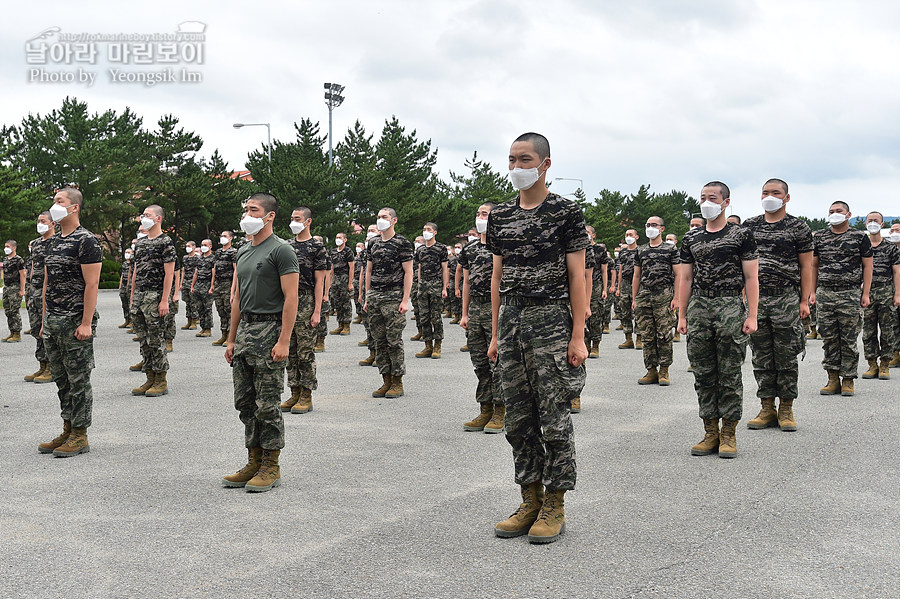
{"x":624,"y":290}
{"x":655,"y":299}
{"x":717,"y":264}
{"x":312,"y":260}
{"x":455,"y":278}
{"x":201,"y":288}
{"x":223,"y":277}
{"x":606,"y":303}
{"x":71,"y":277}
{"x":880,"y":316}
{"x":538,"y":306}
{"x":597,"y":262}
{"x":34,"y":303}
{"x":189,"y":266}
{"x":125,"y":284}
{"x":895,"y":239}
{"x":265,"y":308}
{"x":843,"y":264}
{"x":174,"y":296}
{"x":477,"y":264}
{"x":786,"y":275}
{"x":343,"y":266}
{"x":433,"y":274}
{"x":13,"y":290}
{"x":414,"y":294}
{"x":360,"y":248}
{"x":154,"y":274}
{"x":363,"y":260}
{"x":322,"y":329}
{"x":388,"y":283}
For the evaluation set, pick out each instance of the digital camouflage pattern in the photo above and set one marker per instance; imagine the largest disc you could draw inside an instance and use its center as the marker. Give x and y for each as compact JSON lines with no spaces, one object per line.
{"x":626,"y":275}
{"x":779,"y":244}
{"x":205,"y":265}
{"x":594,"y":324}
{"x":840,"y":320}
{"x":340,"y":292}
{"x":11,"y":267}
{"x":71,"y":362}
{"x":201,"y":297}
{"x":655,"y":321}
{"x":880,"y":317}
{"x":657,"y":265}
{"x":188,"y":266}
{"x":534,"y":243}
{"x":606,"y":305}
{"x":717,"y":257}
{"x":430,"y":305}
{"x":258,"y":382}
{"x":301,"y":366}
{"x":386,"y":326}
{"x":430,"y":261}
{"x":224,"y":260}
{"x":322,"y":329}
{"x":716,"y":348}
{"x":387,"y":259}
{"x":341,"y":259}
{"x":169,"y":333}
{"x":478,"y":338}
{"x":150,"y":256}
{"x":840,"y":257}
{"x":65,"y":282}
{"x":151,"y":328}
{"x":224,"y":269}
{"x":538,"y":385}
{"x":478,"y":260}
{"x":11,"y":305}
{"x":311,"y":256}
{"x":885,"y":256}
{"x":777,"y":342}
{"x":125,"y":288}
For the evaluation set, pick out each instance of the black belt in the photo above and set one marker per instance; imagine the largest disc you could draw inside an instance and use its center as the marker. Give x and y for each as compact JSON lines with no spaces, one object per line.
{"x":480,"y":299}
{"x":716,"y":292}
{"x":776,"y":291}
{"x":839,"y":287}
{"x":658,"y":289}
{"x":250,"y":317}
{"x":524,"y":302}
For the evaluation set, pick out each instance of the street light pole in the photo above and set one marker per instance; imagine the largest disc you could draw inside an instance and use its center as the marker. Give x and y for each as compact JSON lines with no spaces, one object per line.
{"x":269,"y":129}
{"x":333,"y":99}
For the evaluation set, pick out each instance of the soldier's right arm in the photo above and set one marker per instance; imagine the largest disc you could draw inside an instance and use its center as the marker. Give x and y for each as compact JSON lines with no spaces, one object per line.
{"x":235,"y":320}
{"x":464,"y":319}
{"x":496,"y":277}
{"x":684,"y":293}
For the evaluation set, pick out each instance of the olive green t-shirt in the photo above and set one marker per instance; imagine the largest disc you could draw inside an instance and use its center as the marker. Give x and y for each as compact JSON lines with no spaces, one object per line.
{"x":259,"y":271}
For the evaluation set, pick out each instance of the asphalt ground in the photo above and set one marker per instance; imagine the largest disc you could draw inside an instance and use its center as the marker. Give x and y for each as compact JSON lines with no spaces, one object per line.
{"x":391,"y":498}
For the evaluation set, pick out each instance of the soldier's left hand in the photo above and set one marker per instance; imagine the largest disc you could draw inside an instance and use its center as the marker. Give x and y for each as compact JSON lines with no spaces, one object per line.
{"x":350,"y":287}
{"x":83,"y":332}
{"x":164,"y":307}
{"x":458,"y":293}
{"x":280,"y":352}
{"x":404,"y":307}
{"x":749,"y":326}
{"x":210,"y":290}
{"x":673,"y":306}
{"x":22,"y":293}
{"x":443,"y":294}
{"x":897,"y":299}
{"x":864,"y":301}
{"x":315,"y":319}
{"x":682,"y":325}
{"x":229,"y":352}
{"x":804,"y":310}
{"x":577,"y":353}
{"x":603,"y":295}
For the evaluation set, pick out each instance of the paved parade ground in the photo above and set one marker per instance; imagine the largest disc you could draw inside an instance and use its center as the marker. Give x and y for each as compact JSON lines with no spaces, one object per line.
{"x":391,"y":498}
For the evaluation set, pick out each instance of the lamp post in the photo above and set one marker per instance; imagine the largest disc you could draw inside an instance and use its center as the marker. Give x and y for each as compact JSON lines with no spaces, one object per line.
{"x":269,"y":145}
{"x":333,"y":99}
{"x":580,"y":182}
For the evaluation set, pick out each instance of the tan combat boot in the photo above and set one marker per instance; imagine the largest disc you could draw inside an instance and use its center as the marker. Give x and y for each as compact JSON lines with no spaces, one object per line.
{"x":767,"y":415}
{"x":370,"y":360}
{"x":847,"y":387}
{"x":137,"y":367}
{"x":872,"y":372}
{"x":637,"y":343}
{"x":193,"y":324}
{"x":884,"y":370}
{"x":498,"y":419}
{"x":396,"y":389}
{"x":188,"y":325}
{"x":221,"y":340}
{"x":629,"y":342}
{"x":40,"y":371}
{"x":664,"y":376}
{"x":522,"y":519}
{"x":320,"y":345}
{"x":292,"y":400}
{"x":357,"y":319}
{"x":135,"y":338}
{"x":456,"y":319}
{"x":336,"y":331}
{"x":595,"y":349}
{"x":364,"y":342}
{"x":464,"y":348}
{"x":426,"y":353}
{"x":895,"y":361}
{"x":304,"y":404}
{"x":46,"y":376}
{"x":416,"y":337}
{"x":169,"y":346}
{"x":786,"y":415}
{"x":651,"y":378}
{"x":575,"y":405}
{"x":812,"y":332}
{"x":269,"y":473}
{"x":477,"y":423}
{"x":710,"y":442}
{"x":382,"y":390}
{"x":15,"y":337}
{"x":551,"y":521}
{"x":436,"y":351}
{"x":619,"y":327}
{"x":160,"y":386}
{"x":49,"y":446}
{"x":240,"y":478}
{"x":345,"y":330}
{"x":833,"y":386}
{"x":676,"y":337}
{"x":606,"y":329}
{"x":76,"y":442}
{"x":728,"y":439}
{"x":204,"y":333}
{"x":151,"y":376}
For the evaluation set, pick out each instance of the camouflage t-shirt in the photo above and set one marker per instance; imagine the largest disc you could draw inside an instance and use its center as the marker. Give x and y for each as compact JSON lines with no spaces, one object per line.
{"x":717,"y":257}
{"x":341,"y":260}
{"x":452,"y":263}
{"x":626,"y":266}
{"x":150,"y":256}
{"x":387,"y":258}
{"x":885,"y":256}
{"x":840,"y":256}
{"x":225,"y":264}
{"x":533,"y":245}
{"x":189,"y":265}
{"x":479,"y":261}
{"x":126,"y":274}
{"x":657,"y":264}
{"x":779,"y":244}
{"x":11,"y":268}
{"x":311,"y":256}
{"x":65,"y":281}
{"x":38,"y":257}
{"x":600,"y":258}
{"x":205,"y":265}
{"x":611,"y":268}
{"x":431,"y":259}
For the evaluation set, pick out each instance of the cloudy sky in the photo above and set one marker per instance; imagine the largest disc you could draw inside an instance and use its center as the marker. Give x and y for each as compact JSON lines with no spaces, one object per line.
{"x":670,"y":93}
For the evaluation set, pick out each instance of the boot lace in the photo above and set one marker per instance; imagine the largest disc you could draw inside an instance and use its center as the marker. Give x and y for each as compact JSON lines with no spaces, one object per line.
{"x":548,"y":508}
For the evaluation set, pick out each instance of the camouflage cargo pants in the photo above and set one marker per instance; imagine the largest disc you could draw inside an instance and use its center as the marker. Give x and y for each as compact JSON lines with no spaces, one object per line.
{"x":839,"y":322}
{"x":203,"y":301}
{"x":359,"y":311}
{"x":71,"y":362}
{"x":655,"y":319}
{"x":594,"y":325}
{"x":478,"y":338}
{"x":625,"y":311}
{"x":11,"y":304}
{"x":775,"y":345}
{"x":322,"y":329}
{"x":606,"y":309}
{"x":190,"y":310}
{"x":35,"y":305}
{"x":340,"y":298}
{"x":258,"y":382}
{"x":414,"y":300}
{"x":430,"y":302}
{"x":538,"y":385}
{"x":364,"y":317}
{"x":301,"y":366}
{"x":151,"y":328}
{"x":810,"y":321}
{"x":222,"y":298}
{"x":880,"y":317}
{"x":386,"y":328}
{"x":125,"y":300}
{"x":169,"y":334}
{"x":716,"y":347}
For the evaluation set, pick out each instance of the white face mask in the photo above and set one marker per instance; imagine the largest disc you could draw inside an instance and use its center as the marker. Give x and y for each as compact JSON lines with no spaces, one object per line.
{"x":524,"y":178}
{"x":895,"y":237}
{"x":224,"y":240}
{"x":296,"y":227}
{"x":481,"y":225}
{"x":204,"y":249}
{"x":616,"y":254}
{"x":371,"y":234}
{"x":630,"y":240}
{"x":188,"y":250}
{"x":383,"y":224}
{"x":339,"y":242}
{"x":651,"y":232}
{"x":710,"y":210}
{"x":457,"y":250}
{"x":417,"y":245}
{"x":132,"y":247}
{"x":428,"y":235}
{"x":473,"y":237}
{"x":42,"y":228}
{"x":251,"y":225}
{"x":57,"y":212}
{"x":772,"y":204}
{"x":836,"y":218}
{"x":147,"y":223}
{"x":7,"y":251}
{"x":141,"y":235}
{"x":359,"y":250}
{"x":128,"y":255}
{"x":873,"y":228}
